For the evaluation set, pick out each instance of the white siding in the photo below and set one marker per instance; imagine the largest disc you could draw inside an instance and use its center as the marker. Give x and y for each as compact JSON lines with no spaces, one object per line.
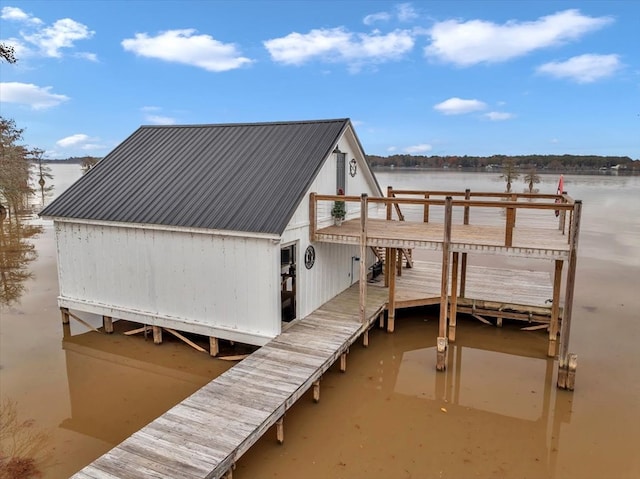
{"x":335,"y":264}
{"x":222,"y":286}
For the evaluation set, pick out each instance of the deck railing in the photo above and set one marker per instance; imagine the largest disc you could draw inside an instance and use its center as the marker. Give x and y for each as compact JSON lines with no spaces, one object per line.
{"x":510,"y":203}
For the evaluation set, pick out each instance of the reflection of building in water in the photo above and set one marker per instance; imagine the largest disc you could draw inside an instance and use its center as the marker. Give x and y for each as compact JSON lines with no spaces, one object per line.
{"x":116,"y":388}
{"x":16,"y":252}
{"x":504,"y":398}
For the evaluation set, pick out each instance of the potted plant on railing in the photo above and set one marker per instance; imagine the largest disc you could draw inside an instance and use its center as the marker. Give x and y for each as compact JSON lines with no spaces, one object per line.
{"x":339,"y":210}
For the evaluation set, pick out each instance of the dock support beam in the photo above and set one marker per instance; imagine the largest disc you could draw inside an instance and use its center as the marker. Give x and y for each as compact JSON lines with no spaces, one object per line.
{"x":316,"y":391}
{"x":214,"y":346}
{"x":444,"y":287}
{"x":454,"y":298}
{"x":280,"y":430}
{"x":107,"y":324}
{"x":65,"y":315}
{"x":555,"y":309}
{"x":157,"y":335}
{"x":391,"y":313}
{"x":567,"y":363}
{"x":343,"y":362}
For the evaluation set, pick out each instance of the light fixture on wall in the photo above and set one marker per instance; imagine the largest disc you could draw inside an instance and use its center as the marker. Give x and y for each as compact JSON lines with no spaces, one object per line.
{"x":353,"y":167}
{"x":337,"y":150}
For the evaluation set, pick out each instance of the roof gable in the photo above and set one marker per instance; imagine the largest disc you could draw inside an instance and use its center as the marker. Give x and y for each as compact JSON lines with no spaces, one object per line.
{"x":239,"y":177}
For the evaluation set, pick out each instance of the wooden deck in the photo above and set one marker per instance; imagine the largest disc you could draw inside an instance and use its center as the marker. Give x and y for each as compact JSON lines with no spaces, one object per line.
{"x":530,"y":242}
{"x":203,"y":436}
{"x":495,"y":292}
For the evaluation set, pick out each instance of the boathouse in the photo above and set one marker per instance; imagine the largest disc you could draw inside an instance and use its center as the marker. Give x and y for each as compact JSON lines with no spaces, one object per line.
{"x":205,"y":228}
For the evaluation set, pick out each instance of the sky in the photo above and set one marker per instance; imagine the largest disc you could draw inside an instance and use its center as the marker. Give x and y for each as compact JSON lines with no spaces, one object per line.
{"x":425,"y":77}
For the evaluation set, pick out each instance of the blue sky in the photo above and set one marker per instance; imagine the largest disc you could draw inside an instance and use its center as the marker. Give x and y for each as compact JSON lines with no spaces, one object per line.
{"x":432,"y":78}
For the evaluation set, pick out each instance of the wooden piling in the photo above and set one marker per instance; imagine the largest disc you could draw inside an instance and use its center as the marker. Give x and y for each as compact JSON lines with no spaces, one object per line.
{"x":280,"y":430}
{"x":391,"y":308}
{"x":65,"y":315}
{"x":343,"y":362}
{"x":555,"y":309}
{"x":316,"y":391}
{"x":365,"y":339}
{"x":442,"y":327}
{"x":565,"y":329}
{"x":214,"y":346}
{"x":454,"y":298}
{"x":157,"y":335}
{"x":364,"y":205}
{"x":107,"y":324}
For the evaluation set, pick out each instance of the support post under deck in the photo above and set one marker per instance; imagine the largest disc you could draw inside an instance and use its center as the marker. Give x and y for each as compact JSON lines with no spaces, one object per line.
{"x":391,"y":308}
{"x":567,"y":363}
{"x":441,"y":358}
{"x":364,"y":204}
{"x":555,"y":309}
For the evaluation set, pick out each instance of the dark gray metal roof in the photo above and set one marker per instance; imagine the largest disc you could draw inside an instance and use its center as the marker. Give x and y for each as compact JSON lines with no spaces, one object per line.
{"x":240,"y":177}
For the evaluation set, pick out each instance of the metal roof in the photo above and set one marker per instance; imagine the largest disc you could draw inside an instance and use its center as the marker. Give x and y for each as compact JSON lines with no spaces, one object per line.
{"x":239,"y":177}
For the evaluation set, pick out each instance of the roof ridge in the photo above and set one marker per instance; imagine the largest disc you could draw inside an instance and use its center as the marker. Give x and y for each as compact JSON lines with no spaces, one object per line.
{"x":265,"y":123}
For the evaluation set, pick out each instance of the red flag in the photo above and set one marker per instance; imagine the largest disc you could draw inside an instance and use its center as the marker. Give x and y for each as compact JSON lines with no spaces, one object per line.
{"x":560,"y":192}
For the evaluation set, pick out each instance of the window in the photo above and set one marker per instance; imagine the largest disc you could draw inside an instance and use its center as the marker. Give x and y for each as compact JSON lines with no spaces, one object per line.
{"x":341,"y":176}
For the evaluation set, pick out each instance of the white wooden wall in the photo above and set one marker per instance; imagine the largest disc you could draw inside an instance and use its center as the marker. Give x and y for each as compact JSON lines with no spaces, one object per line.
{"x":220,"y":286}
{"x":335,"y":268}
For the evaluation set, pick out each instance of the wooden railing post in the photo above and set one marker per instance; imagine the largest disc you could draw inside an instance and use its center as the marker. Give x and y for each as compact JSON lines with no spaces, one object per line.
{"x":567,"y":363}
{"x":426,"y":209}
{"x":441,"y":358}
{"x":389,"y":206}
{"x":511,"y":222}
{"x":312,"y":217}
{"x":463,"y":262}
{"x":364,"y":205}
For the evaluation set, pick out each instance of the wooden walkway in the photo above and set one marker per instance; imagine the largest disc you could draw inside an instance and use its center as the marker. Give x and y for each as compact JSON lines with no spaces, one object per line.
{"x":507,"y":293}
{"x":203,"y":436}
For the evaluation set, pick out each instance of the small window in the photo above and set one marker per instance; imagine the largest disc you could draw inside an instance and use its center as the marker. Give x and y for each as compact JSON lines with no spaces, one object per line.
{"x":341,"y":182}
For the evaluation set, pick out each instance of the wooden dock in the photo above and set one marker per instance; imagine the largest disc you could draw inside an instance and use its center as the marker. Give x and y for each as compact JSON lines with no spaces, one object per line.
{"x":203,"y":436}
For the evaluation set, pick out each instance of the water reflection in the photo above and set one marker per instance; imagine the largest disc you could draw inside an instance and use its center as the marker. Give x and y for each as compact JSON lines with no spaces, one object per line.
{"x":16,"y":252}
{"x":149,"y":380}
{"x":503,"y":390}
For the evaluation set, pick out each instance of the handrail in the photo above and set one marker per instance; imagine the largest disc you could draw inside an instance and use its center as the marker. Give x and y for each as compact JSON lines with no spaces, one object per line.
{"x":511,"y":207}
{"x":471,"y":203}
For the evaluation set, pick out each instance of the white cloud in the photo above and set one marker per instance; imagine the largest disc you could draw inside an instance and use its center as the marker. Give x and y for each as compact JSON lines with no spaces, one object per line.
{"x":498,"y":115}
{"x":404,"y":12}
{"x":38,"y":98}
{"x":338,"y":44}
{"x":160,"y":120}
{"x":92,"y":57}
{"x":421,"y":148}
{"x":50,"y":40}
{"x":459,"y":106}
{"x":80,"y":142}
{"x":478,"y":41}
{"x":17,"y":15}
{"x":391,"y":149}
{"x":184,"y":46}
{"x":376,"y":17}
{"x":73,"y":141}
{"x":583,"y":68}
{"x":62,"y":34}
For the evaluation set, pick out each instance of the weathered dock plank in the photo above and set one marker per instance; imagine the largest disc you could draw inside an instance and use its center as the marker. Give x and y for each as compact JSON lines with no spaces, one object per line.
{"x":205,"y":434}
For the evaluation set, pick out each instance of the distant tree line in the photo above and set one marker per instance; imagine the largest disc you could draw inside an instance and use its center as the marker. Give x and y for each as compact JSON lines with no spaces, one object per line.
{"x":521,"y":162}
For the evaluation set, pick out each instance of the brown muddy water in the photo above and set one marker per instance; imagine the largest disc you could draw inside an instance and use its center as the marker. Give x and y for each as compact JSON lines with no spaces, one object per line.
{"x":495,"y":413}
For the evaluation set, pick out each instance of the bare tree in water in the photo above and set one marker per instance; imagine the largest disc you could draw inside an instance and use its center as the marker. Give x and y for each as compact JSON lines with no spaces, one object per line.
{"x":509,"y":173}
{"x":531,"y":178}
{"x":15,"y":169}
